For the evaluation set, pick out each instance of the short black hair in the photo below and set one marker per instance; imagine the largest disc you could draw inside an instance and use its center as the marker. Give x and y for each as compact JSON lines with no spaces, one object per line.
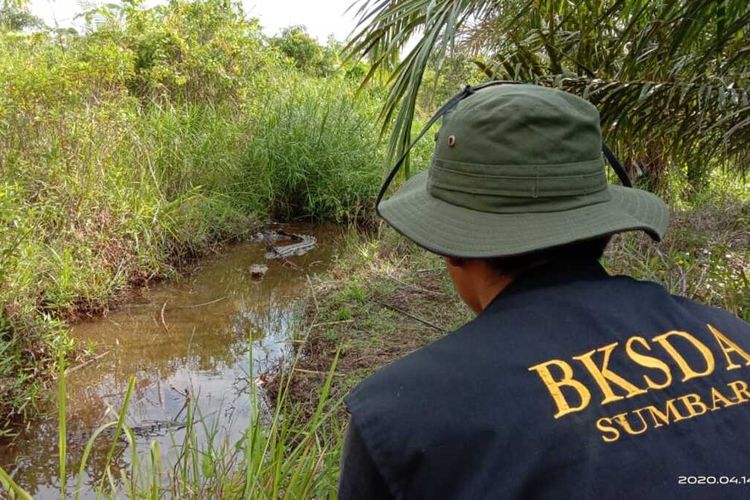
{"x":579,"y":251}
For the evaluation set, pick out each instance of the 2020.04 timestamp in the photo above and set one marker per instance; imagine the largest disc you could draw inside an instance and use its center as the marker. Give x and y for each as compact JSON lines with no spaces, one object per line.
{"x":711,"y":480}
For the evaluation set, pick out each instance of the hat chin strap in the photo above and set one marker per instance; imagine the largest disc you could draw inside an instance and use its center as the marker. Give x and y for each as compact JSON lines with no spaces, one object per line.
{"x":617,"y":166}
{"x":452,"y":103}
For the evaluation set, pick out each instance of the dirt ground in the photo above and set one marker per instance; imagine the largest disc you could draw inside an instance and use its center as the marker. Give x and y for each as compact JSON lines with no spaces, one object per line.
{"x":386,"y":298}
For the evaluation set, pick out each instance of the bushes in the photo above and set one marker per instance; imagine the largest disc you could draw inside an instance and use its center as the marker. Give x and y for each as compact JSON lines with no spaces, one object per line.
{"x":190,"y":51}
{"x":144,"y":142}
{"x":315,"y":140}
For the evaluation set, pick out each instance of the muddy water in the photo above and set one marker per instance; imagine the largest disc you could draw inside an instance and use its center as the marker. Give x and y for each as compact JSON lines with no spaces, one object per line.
{"x":194,"y":334}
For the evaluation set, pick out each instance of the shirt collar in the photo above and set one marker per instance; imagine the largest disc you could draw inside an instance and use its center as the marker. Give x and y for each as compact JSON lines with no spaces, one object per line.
{"x":550,"y":274}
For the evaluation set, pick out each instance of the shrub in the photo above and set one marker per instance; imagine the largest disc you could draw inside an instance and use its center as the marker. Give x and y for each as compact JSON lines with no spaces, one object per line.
{"x":315,"y":138}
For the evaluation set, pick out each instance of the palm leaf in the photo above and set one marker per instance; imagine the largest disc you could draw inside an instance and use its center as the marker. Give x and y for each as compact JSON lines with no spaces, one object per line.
{"x":668,"y":77}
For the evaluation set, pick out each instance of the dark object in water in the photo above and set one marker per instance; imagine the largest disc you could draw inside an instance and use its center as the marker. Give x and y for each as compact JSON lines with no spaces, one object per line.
{"x":303,"y":243}
{"x":269,"y":236}
{"x":257,"y":271}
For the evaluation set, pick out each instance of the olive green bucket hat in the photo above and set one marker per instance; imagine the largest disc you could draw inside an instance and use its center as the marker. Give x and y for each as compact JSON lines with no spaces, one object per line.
{"x":517,"y":168}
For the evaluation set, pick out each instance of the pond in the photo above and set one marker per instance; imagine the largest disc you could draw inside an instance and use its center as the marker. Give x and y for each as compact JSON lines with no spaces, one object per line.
{"x":192,"y":336}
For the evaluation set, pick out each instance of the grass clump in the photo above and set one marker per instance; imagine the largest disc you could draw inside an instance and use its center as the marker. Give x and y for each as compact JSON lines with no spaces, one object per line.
{"x":318,"y":149}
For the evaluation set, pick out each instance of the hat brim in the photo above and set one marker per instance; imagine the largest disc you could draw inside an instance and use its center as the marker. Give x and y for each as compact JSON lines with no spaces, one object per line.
{"x":455,"y":231}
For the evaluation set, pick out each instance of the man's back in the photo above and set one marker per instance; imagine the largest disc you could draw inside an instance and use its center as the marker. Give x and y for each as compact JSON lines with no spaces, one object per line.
{"x":570,"y":384}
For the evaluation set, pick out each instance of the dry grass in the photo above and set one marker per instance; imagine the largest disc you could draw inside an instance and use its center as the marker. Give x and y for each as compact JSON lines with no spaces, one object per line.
{"x":384,"y":299}
{"x":705,"y":256}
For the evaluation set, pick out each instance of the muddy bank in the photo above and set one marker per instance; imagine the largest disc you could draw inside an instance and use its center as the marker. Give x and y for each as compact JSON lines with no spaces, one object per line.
{"x":383,"y":299}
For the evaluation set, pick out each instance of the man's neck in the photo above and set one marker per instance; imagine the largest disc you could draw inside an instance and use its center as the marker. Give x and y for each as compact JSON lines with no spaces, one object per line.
{"x":492,"y":289}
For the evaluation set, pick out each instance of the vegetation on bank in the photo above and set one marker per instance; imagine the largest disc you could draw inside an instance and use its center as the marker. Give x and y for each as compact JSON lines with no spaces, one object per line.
{"x":144,"y":141}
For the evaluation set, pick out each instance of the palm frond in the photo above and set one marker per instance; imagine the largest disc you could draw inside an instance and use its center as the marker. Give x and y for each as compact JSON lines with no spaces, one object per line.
{"x":384,"y":28}
{"x":670,"y":76}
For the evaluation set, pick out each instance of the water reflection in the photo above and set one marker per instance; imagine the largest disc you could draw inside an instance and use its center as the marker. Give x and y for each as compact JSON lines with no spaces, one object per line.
{"x":191,"y":336}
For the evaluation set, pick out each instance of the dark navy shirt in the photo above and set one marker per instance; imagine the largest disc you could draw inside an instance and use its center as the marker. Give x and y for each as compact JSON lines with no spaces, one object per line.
{"x":570,"y":384}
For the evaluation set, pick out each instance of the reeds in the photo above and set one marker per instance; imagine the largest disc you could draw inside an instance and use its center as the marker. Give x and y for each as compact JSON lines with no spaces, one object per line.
{"x":278,"y":455}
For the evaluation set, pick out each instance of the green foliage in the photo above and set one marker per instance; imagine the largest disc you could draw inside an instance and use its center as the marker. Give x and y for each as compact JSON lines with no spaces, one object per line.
{"x":16,"y":18}
{"x":28,"y":348}
{"x":142,"y":143}
{"x":314,"y":138}
{"x":305,"y":52}
{"x":638,"y":61}
{"x":189,"y":51}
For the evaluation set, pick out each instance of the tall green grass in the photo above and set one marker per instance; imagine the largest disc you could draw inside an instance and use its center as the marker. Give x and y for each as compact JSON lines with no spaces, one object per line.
{"x":318,"y":149}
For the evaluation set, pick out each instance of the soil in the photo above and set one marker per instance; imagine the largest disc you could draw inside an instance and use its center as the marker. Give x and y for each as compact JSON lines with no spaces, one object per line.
{"x":371,"y":318}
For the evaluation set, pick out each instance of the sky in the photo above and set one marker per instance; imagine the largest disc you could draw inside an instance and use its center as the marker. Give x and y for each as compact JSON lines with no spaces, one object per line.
{"x":321,"y":17}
